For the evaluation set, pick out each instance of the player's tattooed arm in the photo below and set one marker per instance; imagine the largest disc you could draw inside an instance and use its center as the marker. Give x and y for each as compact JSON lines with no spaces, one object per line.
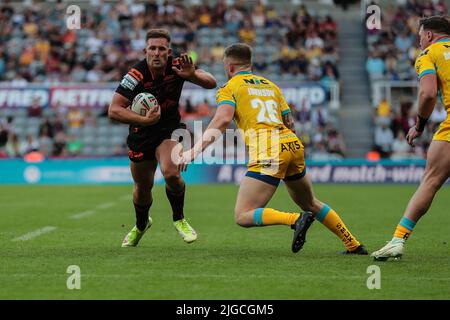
{"x":288,"y":121}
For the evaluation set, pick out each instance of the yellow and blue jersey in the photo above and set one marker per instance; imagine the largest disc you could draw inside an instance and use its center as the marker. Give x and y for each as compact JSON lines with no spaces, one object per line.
{"x":259,"y":107}
{"x":436,"y":59}
{"x":258,"y":102}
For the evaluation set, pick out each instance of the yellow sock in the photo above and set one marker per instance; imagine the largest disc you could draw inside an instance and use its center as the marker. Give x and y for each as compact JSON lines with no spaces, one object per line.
{"x":404,"y":228}
{"x":268,"y":216}
{"x":334,"y":223}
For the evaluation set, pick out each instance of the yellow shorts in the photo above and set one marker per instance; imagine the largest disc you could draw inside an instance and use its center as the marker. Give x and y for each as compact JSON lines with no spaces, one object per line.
{"x":443,"y":132}
{"x":286,"y":162}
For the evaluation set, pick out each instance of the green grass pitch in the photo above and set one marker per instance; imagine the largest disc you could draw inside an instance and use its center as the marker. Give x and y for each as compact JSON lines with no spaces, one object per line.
{"x":227,"y":261}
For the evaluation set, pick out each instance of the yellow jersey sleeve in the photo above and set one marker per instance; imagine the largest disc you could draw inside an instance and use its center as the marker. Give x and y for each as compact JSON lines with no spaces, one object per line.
{"x":284,"y":107}
{"x":424,"y":64}
{"x":225,"y":96}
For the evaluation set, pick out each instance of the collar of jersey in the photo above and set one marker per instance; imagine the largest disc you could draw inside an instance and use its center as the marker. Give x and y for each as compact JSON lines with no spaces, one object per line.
{"x":444,"y":39}
{"x":242,"y":72}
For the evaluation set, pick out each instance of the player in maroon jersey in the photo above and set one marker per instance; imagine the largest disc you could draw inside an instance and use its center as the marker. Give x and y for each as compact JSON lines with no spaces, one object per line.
{"x":149,"y":140}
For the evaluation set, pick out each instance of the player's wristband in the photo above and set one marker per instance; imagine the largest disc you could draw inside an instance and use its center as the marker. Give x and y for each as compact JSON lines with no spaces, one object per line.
{"x":420,"y":124}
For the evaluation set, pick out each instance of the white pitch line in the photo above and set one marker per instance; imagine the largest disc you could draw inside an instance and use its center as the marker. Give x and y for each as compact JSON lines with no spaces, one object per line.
{"x":35,"y":233}
{"x":82,"y":214}
{"x":93,"y":211}
{"x":126,"y":197}
{"x":105,"y":205}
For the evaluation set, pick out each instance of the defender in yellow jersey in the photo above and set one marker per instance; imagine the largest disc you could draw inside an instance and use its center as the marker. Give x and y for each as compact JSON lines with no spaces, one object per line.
{"x":274,"y":150}
{"x":433,"y":69}
{"x":435,"y":59}
{"x":263,"y":116}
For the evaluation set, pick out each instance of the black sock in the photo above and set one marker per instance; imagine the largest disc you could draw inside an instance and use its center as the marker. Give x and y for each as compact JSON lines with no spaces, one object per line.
{"x":141,"y":215}
{"x":176,"y":200}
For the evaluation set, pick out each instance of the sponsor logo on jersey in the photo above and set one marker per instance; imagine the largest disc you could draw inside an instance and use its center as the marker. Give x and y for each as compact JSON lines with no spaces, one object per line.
{"x":129,"y":82}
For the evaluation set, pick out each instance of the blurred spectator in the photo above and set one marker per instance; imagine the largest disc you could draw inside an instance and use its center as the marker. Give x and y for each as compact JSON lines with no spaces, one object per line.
{"x":403,"y":41}
{"x":35,"y":110}
{"x":29,"y":145}
{"x":3,"y":136}
{"x":74,"y":146}
{"x":336,"y":143}
{"x":45,"y":142}
{"x":217,"y":52}
{"x":400,"y":148}
{"x":59,"y":145}
{"x":384,"y":108}
{"x":439,"y":114}
{"x":384,"y":138}
{"x":375,"y":66}
{"x":75,"y":117}
{"x":259,"y":64}
{"x":247,"y":33}
{"x":47,"y":127}
{"x":58,"y":124}
{"x":303,"y":116}
{"x":319,"y":116}
{"x":13,"y":147}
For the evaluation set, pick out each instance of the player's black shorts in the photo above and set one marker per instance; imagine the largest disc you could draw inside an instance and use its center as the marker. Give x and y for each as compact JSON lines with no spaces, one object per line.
{"x":142,"y":145}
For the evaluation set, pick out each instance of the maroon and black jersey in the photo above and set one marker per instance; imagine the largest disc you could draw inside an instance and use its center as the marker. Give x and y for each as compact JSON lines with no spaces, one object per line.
{"x":167,"y":90}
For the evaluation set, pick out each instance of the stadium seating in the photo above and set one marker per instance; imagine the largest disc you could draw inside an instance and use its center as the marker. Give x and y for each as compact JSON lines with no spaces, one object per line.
{"x":112,"y":35}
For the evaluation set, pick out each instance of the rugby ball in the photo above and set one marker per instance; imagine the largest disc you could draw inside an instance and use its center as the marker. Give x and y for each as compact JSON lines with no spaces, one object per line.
{"x":143,"y":102}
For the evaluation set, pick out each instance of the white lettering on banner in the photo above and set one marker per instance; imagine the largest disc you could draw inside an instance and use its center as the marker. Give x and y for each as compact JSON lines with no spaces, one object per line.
{"x":12,"y":98}
{"x":376,"y":174}
{"x":360,"y":174}
{"x":81,"y":97}
{"x":316,"y":94}
{"x":99,"y":96}
{"x":320,"y":174}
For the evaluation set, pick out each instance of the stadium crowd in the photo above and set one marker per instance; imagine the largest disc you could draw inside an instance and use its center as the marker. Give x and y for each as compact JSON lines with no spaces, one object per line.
{"x":36,"y":47}
{"x":393,"y":50}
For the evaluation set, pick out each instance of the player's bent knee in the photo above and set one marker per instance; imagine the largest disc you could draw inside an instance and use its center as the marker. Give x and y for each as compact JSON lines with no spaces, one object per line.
{"x":171,"y":175}
{"x":142,"y":193}
{"x":312,"y":206}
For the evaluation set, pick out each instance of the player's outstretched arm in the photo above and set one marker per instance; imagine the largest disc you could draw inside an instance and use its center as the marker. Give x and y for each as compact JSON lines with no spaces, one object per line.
{"x":204,"y":79}
{"x":427,"y":101}
{"x":222,"y":118}
{"x":199,"y":77}
{"x":118,"y":111}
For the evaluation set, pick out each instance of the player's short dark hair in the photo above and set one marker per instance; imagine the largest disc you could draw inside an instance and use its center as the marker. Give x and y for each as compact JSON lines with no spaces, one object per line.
{"x":158,"y":33}
{"x":437,"y":24}
{"x":240,"y":52}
